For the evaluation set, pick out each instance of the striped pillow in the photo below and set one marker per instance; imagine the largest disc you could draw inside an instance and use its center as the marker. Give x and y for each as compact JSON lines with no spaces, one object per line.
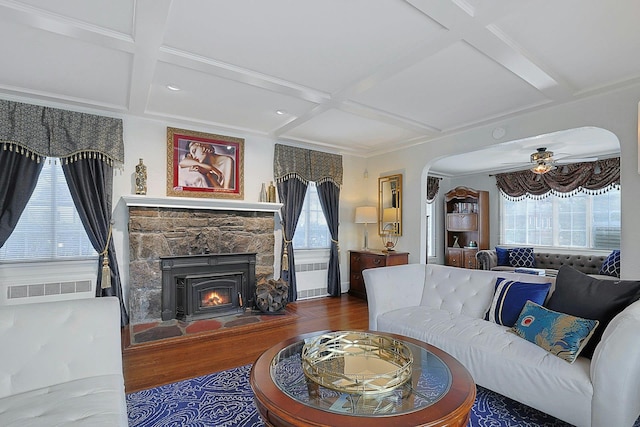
{"x":510,"y":297}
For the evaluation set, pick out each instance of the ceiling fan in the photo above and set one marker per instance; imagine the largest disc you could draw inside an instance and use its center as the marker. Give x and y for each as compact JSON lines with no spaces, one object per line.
{"x":544,"y":162}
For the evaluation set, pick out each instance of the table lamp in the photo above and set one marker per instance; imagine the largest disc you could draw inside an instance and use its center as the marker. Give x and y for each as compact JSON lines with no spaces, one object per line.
{"x":366,"y":215}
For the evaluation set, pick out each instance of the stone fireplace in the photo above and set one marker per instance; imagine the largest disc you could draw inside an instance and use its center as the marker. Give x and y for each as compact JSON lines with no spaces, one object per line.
{"x":163,"y":228}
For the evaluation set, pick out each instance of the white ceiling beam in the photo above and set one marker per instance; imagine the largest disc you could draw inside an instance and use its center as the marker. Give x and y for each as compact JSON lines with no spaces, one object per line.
{"x":239,"y":74}
{"x":149,"y":26}
{"x":477,"y":28}
{"x":11,"y":11}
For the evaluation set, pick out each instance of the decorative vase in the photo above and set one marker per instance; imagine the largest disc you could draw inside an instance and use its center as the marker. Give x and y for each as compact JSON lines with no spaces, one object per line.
{"x":263,"y":193}
{"x":141,"y":178}
{"x":271,"y":194}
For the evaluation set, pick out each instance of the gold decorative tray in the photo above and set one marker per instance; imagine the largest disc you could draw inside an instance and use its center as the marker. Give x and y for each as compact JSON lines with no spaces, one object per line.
{"x":357,"y":362}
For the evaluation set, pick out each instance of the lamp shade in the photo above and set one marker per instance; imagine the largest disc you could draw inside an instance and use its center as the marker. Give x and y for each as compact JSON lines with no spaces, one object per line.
{"x":390,"y":215}
{"x":366,"y":215}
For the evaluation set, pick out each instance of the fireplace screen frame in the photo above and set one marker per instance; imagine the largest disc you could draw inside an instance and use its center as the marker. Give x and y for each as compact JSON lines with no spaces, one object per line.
{"x":176,"y":301}
{"x":189,"y":291}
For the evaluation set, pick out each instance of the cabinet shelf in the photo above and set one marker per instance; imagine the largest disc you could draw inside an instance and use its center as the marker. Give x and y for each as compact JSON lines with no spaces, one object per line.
{"x":467,"y":220}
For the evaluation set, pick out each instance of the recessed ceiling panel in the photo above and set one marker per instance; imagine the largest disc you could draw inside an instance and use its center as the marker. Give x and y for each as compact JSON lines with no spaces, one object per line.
{"x":454,"y":87}
{"x":339,"y":128}
{"x":320,"y":44}
{"x":580,"y":144}
{"x":219,"y":101}
{"x":115,"y":15}
{"x":53,"y":65}
{"x":590,"y":43}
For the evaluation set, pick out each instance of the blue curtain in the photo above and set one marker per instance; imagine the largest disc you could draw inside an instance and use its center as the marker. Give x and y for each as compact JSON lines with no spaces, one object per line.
{"x":293,"y":168}
{"x":292,"y":192}
{"x":18,"y":178}
{"x":88,"y":146}
{"x":329,"y":195}
{"x":90,"y":182}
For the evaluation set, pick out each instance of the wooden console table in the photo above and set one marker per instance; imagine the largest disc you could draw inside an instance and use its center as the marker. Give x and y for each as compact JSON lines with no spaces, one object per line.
{"x":361,"y":260}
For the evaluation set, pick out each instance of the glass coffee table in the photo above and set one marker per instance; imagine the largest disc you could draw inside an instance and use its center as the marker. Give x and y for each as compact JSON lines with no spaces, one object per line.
{"x":438,"y":391}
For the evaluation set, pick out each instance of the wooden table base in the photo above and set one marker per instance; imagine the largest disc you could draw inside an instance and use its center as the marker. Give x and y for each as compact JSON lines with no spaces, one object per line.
{"x":279,"y":410}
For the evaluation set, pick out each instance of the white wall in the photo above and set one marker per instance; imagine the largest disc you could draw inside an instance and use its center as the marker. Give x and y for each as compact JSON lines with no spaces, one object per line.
{"x":147,"y":139}
{"x":615,"y":111}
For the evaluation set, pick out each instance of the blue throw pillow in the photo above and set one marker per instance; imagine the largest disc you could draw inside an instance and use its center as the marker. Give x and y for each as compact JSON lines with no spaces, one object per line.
{"x":522,"y":257}
{"x":560,"y":334}
{"x":503,"y":256}
{"x":611,"y":265}
{"x":510,"y":297}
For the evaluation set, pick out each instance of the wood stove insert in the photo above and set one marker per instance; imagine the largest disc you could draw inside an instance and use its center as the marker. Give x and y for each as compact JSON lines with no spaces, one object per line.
{"x":209,"y":285}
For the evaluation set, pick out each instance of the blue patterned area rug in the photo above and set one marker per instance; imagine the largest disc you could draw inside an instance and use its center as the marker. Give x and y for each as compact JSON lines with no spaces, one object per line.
{"x":225,"y":399}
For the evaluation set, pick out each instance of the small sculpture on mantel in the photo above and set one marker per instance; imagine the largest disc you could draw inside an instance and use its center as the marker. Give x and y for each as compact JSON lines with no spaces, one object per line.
{"x":263,"y":193}
{"x":271,"y":193}
{"x":141,"y":178}
{"x":455,"y":242}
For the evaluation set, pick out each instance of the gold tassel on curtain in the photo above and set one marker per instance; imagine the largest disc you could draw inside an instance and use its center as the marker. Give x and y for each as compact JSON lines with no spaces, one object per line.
{"x":285,"y":254}
{"x":106,"y":270}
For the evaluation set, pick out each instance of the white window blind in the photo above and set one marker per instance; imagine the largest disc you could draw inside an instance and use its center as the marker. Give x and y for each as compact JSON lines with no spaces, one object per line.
{"x":49,"y":228}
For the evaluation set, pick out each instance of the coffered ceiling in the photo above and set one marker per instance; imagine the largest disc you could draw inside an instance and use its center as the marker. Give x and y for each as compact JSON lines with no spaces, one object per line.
{"x":356,"y":76}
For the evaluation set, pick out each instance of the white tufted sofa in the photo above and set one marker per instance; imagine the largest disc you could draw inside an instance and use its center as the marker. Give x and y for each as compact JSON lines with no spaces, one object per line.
{"x":444,"y":306}
{"x":61,"y":364}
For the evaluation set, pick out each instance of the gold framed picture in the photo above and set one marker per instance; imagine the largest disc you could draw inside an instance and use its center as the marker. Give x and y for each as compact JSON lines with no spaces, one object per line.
{"x":204,"y":165}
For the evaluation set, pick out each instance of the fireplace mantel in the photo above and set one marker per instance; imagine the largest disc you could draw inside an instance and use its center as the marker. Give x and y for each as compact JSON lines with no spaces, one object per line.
{"x":203,"y":203}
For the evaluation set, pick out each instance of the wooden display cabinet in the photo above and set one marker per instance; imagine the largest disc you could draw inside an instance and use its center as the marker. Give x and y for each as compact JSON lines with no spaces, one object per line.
{"x":361,"y":260}
{"x":466,"y":221}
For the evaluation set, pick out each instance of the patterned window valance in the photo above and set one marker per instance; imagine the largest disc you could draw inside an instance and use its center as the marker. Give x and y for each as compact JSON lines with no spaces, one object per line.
{"x":38,"y":132}
{"x":589,"y":177}
{"x":433,"y":186}
{"x":306,"y":165}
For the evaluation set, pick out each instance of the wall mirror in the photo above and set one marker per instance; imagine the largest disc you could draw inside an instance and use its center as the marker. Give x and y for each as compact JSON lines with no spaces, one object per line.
{"x":390,"y":205}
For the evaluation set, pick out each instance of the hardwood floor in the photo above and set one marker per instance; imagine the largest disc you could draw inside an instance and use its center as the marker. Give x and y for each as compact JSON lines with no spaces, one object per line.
{"x":161,"y":362}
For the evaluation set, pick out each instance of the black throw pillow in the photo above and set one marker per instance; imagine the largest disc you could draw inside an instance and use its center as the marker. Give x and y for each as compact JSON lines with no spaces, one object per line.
{"x":584,"y":296}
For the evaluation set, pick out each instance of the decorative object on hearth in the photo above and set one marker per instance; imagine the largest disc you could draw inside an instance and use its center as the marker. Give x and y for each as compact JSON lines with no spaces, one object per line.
{"x":366,"y":215}
{"x":272,"y":296}
{"x":357,"y":362}
{"x":141,"y":178}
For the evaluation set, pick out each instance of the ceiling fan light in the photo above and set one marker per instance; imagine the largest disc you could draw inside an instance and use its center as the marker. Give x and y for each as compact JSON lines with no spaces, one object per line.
{"x":542,"y":168}
{"x":542,"y":155}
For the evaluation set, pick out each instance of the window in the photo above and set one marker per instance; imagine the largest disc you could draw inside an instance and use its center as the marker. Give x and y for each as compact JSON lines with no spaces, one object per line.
{"x":579,"y":221}
{"x":312,"y":231}
{"x":49,"y":228}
